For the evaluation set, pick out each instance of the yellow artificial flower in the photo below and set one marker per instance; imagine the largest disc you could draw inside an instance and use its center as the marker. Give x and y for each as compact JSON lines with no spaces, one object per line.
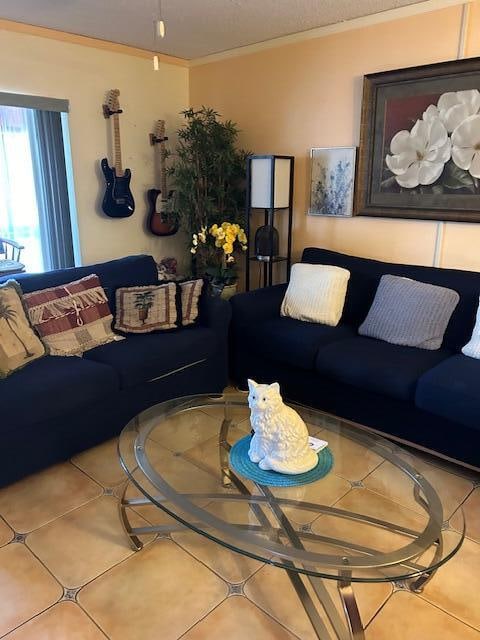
{"x":202,"y":236}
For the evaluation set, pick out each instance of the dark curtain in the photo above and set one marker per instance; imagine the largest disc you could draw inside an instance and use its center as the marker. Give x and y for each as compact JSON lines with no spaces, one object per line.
{"x":48,"y":157}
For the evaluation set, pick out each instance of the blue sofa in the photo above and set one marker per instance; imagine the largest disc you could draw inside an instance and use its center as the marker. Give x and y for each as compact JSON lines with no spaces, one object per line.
{"x":57,"y":406}
{"x":428,"y":398}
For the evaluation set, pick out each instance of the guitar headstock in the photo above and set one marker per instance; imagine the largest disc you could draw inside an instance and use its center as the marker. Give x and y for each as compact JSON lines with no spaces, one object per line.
{"x":158,"y":134}
{"x":112,"y":105}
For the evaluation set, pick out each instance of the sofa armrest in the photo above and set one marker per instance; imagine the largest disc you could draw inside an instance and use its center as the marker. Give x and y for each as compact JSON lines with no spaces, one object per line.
{"x":257,"y":305}
{"x":215,"y":313}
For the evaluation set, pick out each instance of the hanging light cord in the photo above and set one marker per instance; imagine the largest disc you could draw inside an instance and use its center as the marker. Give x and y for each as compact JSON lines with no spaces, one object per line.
{"x":159,"y":32}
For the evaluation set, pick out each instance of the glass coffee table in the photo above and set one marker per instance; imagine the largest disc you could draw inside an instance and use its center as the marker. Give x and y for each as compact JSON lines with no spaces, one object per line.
{"x":373,"y":518}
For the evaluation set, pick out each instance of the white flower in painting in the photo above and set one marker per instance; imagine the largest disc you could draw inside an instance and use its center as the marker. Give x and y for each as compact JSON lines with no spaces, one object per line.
{"x":466,"y":145}
{"x":418,"y":156}
{"x":454,"y":107}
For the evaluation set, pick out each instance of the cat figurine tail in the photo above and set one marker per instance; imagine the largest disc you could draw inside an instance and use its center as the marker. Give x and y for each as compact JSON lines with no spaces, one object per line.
{"x":280,"y":440}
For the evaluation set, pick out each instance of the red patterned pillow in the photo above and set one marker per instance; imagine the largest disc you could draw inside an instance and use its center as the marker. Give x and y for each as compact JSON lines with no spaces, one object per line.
{"x":73,"y":317}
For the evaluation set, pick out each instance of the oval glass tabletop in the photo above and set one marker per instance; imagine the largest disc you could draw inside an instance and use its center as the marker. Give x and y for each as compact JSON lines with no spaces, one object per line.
{"x":376,"y":516}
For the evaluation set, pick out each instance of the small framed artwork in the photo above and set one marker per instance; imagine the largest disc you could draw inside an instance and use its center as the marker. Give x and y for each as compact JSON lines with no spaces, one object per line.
{"x":420,"y":143}
{"x":332,"y":180}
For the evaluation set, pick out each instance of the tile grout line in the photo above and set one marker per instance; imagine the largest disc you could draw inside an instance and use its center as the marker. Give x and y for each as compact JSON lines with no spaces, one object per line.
{"x":448,"y":613}
{"x":202,"y":619}
{"x":272,"y":617}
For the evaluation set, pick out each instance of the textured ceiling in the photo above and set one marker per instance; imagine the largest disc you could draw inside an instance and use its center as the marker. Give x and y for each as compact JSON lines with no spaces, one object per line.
{"x":194,"y":27}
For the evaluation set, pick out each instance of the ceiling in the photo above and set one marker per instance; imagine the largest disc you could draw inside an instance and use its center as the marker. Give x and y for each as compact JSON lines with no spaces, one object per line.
{"x":194,"y":28}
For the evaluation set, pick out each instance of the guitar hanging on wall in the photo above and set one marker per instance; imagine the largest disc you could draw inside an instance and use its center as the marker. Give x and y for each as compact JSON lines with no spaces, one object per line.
{"x":162,"y":219}
{"x":118,"y":200}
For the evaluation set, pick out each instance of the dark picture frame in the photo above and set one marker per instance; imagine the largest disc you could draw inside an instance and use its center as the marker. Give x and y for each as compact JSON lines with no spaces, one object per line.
{"x":432,"y":186}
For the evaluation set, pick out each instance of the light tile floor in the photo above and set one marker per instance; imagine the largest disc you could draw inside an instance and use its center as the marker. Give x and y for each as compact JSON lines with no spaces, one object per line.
{"x":67,"y":572}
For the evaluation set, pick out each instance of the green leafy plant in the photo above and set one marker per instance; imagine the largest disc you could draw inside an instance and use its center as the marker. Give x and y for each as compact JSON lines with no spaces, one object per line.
{"x":208,"y":171}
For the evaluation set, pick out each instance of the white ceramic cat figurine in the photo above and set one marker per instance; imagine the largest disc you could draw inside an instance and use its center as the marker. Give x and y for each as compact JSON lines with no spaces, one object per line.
{"x":280,"y":441}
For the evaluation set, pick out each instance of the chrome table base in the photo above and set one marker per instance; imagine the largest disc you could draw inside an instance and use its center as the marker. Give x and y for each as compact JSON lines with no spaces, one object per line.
{"x":326,"y":618}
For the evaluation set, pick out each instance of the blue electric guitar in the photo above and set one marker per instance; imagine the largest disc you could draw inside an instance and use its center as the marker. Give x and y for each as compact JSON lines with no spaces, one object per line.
{"x":118,"y":200}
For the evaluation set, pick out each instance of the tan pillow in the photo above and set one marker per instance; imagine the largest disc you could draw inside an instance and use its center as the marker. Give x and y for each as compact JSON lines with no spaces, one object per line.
{"x":73,"y":317}
{"x":190,"y":291}
{"x":316,"y":293}
{"x":146,"y":309}
{"x":18,"y":343}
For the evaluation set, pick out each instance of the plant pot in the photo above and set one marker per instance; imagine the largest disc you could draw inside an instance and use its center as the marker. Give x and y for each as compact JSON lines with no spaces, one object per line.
{"x":228,"y":291}
{"x":142,"y":315}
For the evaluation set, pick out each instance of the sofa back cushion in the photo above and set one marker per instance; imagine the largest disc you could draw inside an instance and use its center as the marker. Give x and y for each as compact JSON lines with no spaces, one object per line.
{"x":365,"y":276}
{"x":124,"y":272}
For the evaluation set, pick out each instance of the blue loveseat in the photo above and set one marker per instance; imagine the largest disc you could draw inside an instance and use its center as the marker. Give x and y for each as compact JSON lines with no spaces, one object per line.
{"x":428,"y":398}
{"x":57,"y":406}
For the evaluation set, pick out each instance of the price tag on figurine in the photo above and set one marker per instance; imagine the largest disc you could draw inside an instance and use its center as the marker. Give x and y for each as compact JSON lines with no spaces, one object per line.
{"x":316,"y":444}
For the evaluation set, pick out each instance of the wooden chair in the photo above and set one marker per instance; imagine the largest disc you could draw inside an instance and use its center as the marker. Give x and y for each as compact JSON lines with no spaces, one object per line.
{"x":11,"y":252}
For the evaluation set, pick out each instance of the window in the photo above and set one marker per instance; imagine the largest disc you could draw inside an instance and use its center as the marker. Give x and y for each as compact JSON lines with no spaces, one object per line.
{"x":34,"y":195}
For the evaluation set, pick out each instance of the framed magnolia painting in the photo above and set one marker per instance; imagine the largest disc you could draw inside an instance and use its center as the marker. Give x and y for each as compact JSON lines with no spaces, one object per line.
{"x":332,"y":179}
{"x":420,"y":143}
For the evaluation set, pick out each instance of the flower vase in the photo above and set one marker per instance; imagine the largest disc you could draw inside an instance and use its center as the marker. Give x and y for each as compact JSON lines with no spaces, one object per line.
{"x":228,"y":291}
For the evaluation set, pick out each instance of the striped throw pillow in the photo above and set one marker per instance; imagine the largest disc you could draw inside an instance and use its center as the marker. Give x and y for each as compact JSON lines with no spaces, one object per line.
{"x":316,"y":293}
{"x":190,"y":294}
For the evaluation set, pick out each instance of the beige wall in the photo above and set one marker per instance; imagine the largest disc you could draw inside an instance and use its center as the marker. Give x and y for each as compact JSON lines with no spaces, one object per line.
{"x":290,"y":98}
{"x":82,"y":74}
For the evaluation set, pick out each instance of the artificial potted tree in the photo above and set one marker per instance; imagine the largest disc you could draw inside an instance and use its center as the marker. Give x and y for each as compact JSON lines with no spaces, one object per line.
{"x":218,"y":244}
{"x":209,"y":175}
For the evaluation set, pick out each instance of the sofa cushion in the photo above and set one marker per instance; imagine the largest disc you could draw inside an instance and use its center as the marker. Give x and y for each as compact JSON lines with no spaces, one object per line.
{"x":124,"y":272}
{"x":472,"y":348}
{"x":316,"y":293}
{"x":19,"y":345}
{"x":378,"y":366}
{"x":140,"y":358}
{"x":409,"y":313}
{"x":452,"y":390}
{"x":146,"y":309}
{"x":53,"y":386}
{"x":190,"y":292}
{"x":291,"y":341}
{"x":73,"y":317}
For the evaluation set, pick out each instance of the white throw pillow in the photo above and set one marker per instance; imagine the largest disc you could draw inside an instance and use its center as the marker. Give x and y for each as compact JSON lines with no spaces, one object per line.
{"x":472,"y":348}
{"x":316,"y":293}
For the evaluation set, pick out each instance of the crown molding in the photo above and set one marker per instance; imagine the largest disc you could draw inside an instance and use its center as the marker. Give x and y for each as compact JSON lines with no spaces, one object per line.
{"x":85,"y":41}
{"x":389,"y":15}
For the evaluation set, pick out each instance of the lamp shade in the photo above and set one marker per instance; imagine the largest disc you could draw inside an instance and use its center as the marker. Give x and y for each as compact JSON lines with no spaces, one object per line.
{"x":270,"y":181}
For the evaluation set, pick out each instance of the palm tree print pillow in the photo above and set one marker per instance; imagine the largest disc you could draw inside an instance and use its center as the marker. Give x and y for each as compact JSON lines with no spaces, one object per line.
{"x":146,"y":309}
{"x":19,"y":344}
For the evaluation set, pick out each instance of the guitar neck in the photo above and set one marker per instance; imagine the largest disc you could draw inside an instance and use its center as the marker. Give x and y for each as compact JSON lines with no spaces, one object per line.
{"x":163,"y":171}
{"x":117,"y":153}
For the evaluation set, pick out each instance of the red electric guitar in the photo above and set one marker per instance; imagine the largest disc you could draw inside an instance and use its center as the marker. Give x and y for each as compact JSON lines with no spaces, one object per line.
{"x":162,"y":219}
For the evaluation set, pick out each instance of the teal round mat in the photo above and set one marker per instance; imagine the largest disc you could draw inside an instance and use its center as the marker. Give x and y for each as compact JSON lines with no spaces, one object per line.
{"x":241,"y":463}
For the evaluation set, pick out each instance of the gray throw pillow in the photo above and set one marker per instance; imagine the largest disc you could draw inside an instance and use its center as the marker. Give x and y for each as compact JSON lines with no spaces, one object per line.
{"x":409,"y":313}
